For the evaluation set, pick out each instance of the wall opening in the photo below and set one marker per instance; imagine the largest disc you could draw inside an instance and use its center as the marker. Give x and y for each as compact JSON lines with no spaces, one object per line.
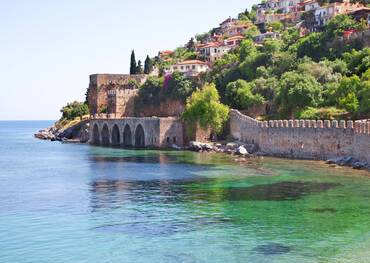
{"x":116,"y":136}
{"x":105,"y":135}
{"x":127,"y":137}
{"x":139,"y":137}
{"x":96,"y":135}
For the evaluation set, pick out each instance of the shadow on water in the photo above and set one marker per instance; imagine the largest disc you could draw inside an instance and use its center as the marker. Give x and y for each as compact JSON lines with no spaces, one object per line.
{"x":271,"y":249}
{"x":281,"y":191}
{"x":115,"y":193}
{"x":149,"y":228}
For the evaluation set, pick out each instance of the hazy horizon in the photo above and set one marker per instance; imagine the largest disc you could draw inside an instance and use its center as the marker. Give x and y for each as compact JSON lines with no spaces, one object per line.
{"x":49,"y":49}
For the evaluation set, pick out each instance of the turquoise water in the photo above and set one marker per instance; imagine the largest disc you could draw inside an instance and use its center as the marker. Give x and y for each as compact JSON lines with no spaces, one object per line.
{"x":77,"y":203}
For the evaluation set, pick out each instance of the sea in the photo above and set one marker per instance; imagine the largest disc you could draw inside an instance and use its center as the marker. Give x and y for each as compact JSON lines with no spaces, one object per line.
{"x":80,"y":203}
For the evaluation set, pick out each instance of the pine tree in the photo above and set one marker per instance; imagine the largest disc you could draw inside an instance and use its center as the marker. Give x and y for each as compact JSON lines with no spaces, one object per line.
{"x":148,"y":65}
{"x":139,"y":69}
{"x":190,"y":46}
{"x":133,"y":66}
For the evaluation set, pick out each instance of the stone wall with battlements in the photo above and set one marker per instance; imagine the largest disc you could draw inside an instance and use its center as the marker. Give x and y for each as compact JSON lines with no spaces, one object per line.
{"x":320,"y":140}
{"x":113,"y":93}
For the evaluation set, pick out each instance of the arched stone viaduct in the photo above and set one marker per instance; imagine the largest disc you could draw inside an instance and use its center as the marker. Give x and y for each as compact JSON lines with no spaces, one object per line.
{"x":136,"y":132}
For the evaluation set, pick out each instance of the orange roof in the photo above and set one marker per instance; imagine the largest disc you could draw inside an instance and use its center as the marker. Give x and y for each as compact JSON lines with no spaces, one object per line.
{"x":191,"y":62}
{"x":235,"y":38}
{"x":166,"y":52}
{"x":212,"y":44}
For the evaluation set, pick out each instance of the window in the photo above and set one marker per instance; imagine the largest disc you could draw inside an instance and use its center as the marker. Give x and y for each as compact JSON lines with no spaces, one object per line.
{"x":182,"y":67}
{"x":175,"y":68}
{"x":193,"y":67}
{"x":187,"y":67}
{"x":168,"y":139}
{"x":174,"y":139}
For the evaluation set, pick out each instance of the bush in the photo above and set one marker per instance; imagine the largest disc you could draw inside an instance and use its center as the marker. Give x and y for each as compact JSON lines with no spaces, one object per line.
{"x":204,"y":108}
{"x":74,"y":110}
{"x":331,"y":113}
{"x":297,"y":91}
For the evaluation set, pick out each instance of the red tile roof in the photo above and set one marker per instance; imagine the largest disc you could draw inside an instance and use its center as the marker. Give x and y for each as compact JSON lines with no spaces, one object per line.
{"x":192,"y":62}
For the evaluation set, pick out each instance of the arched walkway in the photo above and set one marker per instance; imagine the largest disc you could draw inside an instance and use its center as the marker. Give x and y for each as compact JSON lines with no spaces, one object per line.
{"x":116,"y":136}
{"x":96,"y":135}
{"x":139,"y":137}
{"x":105,"y":135}
{"x":127,"y":136}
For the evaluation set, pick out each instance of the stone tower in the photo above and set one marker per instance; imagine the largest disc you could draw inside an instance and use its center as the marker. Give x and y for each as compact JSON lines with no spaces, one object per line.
{"x":114,"y":93}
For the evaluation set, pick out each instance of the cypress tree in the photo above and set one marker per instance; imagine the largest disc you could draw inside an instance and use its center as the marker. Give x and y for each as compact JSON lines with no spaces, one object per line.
{"x":148,"y":65}
{"x":133,"y":66}
{"x":139,"y":69}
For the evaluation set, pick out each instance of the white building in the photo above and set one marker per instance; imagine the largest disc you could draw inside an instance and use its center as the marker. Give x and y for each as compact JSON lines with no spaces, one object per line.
{"x":213,"y":51}
{"x":190,"y":68}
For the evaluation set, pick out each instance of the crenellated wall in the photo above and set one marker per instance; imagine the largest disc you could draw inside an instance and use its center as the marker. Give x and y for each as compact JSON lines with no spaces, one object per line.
{"x":304,"y":138}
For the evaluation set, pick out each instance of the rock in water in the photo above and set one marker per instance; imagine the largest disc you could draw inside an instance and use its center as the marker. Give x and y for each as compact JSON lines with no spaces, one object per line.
{"x":242,"y":151}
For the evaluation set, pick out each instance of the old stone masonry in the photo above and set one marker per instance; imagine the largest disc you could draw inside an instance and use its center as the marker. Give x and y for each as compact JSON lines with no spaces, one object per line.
{"x":320,"y":140}
{"x":113,"y":121}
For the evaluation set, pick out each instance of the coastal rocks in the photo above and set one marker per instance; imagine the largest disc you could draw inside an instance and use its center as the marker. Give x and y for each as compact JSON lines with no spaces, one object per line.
{"x":349,"y":162}
{"x":234,"y":148}
{"x":76,"y":133}
{"x":200,"y":147}
{"x":46,"y":134}
{"x":241,"y":151}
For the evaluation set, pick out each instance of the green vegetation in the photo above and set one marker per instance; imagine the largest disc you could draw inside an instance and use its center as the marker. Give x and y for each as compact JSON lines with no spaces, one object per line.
{"x":204,"y":108}
{"x":74,"y":110}
{"x":311,"y":77}
{"x":133,"y":65}
{"x":157,"y":89}
{"x":296,"y":75}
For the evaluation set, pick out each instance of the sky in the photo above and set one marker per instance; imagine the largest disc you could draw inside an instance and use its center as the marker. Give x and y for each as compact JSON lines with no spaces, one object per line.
{"x":49,"y":48}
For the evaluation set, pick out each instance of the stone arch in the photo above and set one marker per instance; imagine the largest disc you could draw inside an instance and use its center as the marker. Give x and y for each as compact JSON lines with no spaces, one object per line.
{"x":139,"y":137}
{"x":116,"y":138}
{"x":105,"y":136}
{"x":127,"y":136}
{"x":96,"y":135}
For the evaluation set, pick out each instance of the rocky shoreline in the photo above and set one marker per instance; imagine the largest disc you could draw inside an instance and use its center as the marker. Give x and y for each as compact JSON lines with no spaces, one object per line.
{"x":243,"y":151}
{"x":78,"y":133}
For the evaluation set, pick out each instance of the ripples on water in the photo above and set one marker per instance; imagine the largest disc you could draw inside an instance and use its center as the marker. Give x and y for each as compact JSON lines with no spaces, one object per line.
{"x":76,"y":203}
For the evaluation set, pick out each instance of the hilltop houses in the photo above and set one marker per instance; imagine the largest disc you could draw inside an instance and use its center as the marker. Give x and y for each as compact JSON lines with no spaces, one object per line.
{"x":306,"y":15}
{"x":191,"y":68}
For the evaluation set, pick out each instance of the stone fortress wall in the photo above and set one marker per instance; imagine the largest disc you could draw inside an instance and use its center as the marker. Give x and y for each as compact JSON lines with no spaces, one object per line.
{"x":153,"y":132}
{"x":113,"y":93}
{"x":319,"y":140}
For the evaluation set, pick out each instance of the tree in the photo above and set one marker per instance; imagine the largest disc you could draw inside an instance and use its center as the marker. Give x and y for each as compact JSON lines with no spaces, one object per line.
{"x":297,"y":91}
{"x":178,"y":86}
{"x":133,"y":65}
{"x":346,"y":94}
{"x":239,"y":95}
{"x":139,"y":69}
{"x":276,"y":26}
{"x":74,"y":110}
{"x":204,"y":108}
{"x":148,"y":65}
{"x":190,"y":46}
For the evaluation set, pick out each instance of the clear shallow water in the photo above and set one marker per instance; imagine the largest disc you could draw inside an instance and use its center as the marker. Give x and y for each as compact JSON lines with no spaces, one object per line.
{"x":76,"y":203}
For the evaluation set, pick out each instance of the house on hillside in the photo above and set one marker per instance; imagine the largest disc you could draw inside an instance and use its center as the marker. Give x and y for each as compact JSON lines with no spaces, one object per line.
{"x":191,"y":68}
{"x":212,"y":52}
{"x":232,"y":27}
{"x":268,"y":35}
{"x":233,"y":42}
{"x":361,"y":14}
{"x":324,"y":13}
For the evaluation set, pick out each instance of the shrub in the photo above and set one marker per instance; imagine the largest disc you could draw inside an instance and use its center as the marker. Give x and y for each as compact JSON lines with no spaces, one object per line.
{"x":331,"y":113}
{"x":204,"y":108}
{"x":74,"y":110}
